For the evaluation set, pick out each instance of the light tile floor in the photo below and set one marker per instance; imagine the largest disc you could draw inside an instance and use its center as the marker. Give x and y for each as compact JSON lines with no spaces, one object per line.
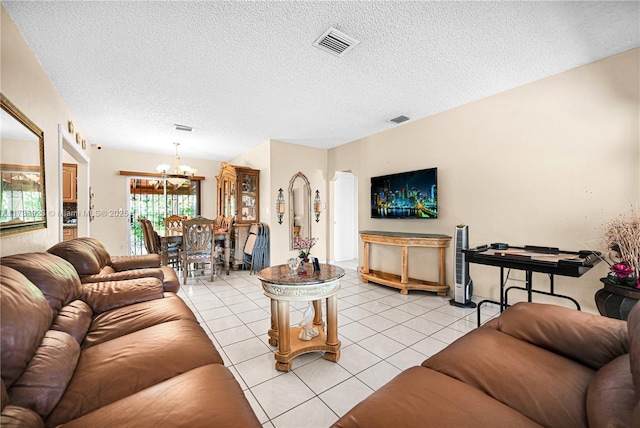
{"x":382,"y":333}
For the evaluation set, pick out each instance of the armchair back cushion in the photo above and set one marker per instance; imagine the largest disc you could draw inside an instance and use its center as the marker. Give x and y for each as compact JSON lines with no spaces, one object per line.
{"x":55,"y":277}
{"x":87,"y":255}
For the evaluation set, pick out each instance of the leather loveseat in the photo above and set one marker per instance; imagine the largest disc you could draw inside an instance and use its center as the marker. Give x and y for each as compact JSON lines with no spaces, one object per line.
{"x":121,"y":353}
{"x":93,"y":263}
{"x":535,"y":365}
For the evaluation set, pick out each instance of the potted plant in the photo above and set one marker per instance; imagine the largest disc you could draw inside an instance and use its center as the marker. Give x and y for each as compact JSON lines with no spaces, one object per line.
{"x":622,"y":285}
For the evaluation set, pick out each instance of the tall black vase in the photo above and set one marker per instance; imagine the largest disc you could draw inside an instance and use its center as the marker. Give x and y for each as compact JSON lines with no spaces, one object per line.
{"x":616,"y":301}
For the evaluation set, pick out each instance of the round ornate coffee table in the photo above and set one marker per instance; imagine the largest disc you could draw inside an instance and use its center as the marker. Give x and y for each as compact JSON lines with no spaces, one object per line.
{"x":282,"y":287}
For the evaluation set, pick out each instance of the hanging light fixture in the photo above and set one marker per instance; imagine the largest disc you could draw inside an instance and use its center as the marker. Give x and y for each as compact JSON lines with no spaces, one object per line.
{"x":180,"y":173}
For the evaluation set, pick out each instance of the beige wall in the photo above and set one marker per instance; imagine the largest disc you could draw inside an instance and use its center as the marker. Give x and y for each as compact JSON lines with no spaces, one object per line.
{"x":110,"y":189}
{"x":26,"y":85}
{"x":278,"y":162}
{"x":259,"y":158}
{"x":544,"y":164}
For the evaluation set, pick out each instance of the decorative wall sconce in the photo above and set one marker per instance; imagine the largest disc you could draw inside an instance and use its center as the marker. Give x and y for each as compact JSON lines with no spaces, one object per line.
{"x":317,"y":206}
{"x":280,"y":205}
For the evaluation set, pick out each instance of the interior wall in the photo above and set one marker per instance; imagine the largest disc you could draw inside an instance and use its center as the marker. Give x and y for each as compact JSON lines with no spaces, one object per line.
{"x":259,"y":158}
{"x":278,"y":162}
{"x":548,"y":163}
{"x":27,"y":86}
{"x":110,"y":190}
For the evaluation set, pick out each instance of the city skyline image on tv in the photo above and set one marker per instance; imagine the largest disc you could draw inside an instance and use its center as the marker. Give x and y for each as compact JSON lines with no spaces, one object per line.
{"x":406,"y":195}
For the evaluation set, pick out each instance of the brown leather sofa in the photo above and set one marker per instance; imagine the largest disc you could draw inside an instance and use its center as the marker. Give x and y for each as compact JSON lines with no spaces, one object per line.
{"x":121,"y":353}
{"x":93,"y":263}
{"x":535,"y":365}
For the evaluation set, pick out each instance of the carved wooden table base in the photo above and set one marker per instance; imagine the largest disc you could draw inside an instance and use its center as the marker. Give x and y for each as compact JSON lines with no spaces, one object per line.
{"x":282,"y":287}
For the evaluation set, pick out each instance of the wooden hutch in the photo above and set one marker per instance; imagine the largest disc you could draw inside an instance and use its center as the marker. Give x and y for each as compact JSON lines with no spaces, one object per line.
{"x":238,"y":195}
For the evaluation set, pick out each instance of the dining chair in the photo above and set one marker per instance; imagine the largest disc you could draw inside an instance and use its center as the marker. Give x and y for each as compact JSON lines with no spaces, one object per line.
{"x":224,"y":231}
{"x":147,"y":236}
{"x":173,"y":222}
{"x":249,"y":245}
{"x":198,"y":246}
{"x":153,"y":244}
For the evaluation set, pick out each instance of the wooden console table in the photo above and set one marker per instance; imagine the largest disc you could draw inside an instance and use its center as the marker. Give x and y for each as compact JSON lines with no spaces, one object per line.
{"x":406,"y":240}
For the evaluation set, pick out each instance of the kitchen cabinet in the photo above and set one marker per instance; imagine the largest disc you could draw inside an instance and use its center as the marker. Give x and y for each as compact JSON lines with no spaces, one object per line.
{"x":69,"y":233}
{"x":69,"y":182}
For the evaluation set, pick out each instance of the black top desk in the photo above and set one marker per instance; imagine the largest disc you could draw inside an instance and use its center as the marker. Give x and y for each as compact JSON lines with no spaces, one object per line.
{"x":551,"y":261}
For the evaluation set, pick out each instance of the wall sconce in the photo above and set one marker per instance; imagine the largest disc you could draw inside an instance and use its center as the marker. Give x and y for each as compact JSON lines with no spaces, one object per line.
{"x":280,"y":205}
{"x":317,"y":206}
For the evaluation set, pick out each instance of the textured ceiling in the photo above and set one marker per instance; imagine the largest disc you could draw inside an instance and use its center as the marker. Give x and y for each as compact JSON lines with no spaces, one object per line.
{"x":242,"y":73}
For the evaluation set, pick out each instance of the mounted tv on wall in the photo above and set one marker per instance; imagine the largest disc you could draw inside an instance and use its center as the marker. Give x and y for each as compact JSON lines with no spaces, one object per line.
{"x":412,"y":194}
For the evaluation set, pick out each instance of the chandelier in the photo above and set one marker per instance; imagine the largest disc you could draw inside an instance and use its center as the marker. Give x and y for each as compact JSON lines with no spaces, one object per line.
{"x":179,"y":174}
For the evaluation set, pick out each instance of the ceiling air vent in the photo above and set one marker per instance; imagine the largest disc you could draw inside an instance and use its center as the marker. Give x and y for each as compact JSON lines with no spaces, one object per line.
{"x":179,"y":127}
{"x":399,"y":119}
{"x":335,"y":42}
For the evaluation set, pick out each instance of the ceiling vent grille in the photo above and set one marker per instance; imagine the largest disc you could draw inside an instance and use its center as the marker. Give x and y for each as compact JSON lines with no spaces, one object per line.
{"x":335,"y":42}
{"x":399,"y":119}
{"x":179,"y":127}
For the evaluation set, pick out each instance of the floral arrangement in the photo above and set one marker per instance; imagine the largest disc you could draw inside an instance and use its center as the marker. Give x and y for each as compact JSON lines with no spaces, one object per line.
{"x":304,"y":245}
{"x":622,"y":236}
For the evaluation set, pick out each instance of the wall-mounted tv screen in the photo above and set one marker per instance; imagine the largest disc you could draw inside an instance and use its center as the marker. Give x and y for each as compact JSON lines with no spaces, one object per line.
{"x":412,"y":194}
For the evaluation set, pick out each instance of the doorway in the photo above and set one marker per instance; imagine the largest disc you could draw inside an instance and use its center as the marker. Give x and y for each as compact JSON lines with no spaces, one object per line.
{"x":345,"y":218}
{"x":71,"y":153}
{"x":155,"y":199}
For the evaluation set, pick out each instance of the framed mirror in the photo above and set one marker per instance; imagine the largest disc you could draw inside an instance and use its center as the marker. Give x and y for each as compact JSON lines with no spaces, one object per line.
{"x":22,"y":171}
{"x":299,"y":208}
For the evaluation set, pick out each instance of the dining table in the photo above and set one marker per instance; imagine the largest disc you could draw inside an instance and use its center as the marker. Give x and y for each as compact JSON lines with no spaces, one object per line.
{"x":169,"y":236}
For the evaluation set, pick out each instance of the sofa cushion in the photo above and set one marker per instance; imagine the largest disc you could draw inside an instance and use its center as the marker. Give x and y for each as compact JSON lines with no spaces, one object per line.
{"x":74,"y":319}
{"x":207,"y":396}
{"x":55,"y":277}
{"x":25,"y":317}
{"x":87,"y":255}
{"x":586,"y":338}
{"x":420,"y":397}
{"x":128,"y":364}
{"x":546,"y":387}
{"x":104,"y":296}
{"x":611,"y":396}
{"x":128,"y":319}
{"x":45,"y":379}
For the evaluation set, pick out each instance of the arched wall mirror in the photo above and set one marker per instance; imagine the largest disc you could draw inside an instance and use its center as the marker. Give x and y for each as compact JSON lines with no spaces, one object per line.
{"x":22,"y":170}
{"x":299,"y":208}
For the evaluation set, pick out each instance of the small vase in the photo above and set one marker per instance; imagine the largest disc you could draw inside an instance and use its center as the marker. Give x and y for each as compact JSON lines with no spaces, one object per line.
{"x":303,"y":268}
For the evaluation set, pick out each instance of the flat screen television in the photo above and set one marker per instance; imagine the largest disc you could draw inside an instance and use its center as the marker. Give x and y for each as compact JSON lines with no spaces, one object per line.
{"x":405,"y":195}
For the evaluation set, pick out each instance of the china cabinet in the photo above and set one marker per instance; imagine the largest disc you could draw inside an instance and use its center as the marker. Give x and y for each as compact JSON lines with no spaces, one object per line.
{"x":238,"y":195}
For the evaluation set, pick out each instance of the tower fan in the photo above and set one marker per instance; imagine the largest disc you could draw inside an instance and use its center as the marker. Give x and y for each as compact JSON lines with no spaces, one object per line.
{"x":464,"y":284}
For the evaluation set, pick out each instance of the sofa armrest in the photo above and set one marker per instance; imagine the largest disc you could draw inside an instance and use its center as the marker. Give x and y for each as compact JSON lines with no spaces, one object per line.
{"x":104,"y":296}
{"x":120,"y":263}
{"x":125,"y":275}
{"x":20,"y":417}
{"x":590,"y":339}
